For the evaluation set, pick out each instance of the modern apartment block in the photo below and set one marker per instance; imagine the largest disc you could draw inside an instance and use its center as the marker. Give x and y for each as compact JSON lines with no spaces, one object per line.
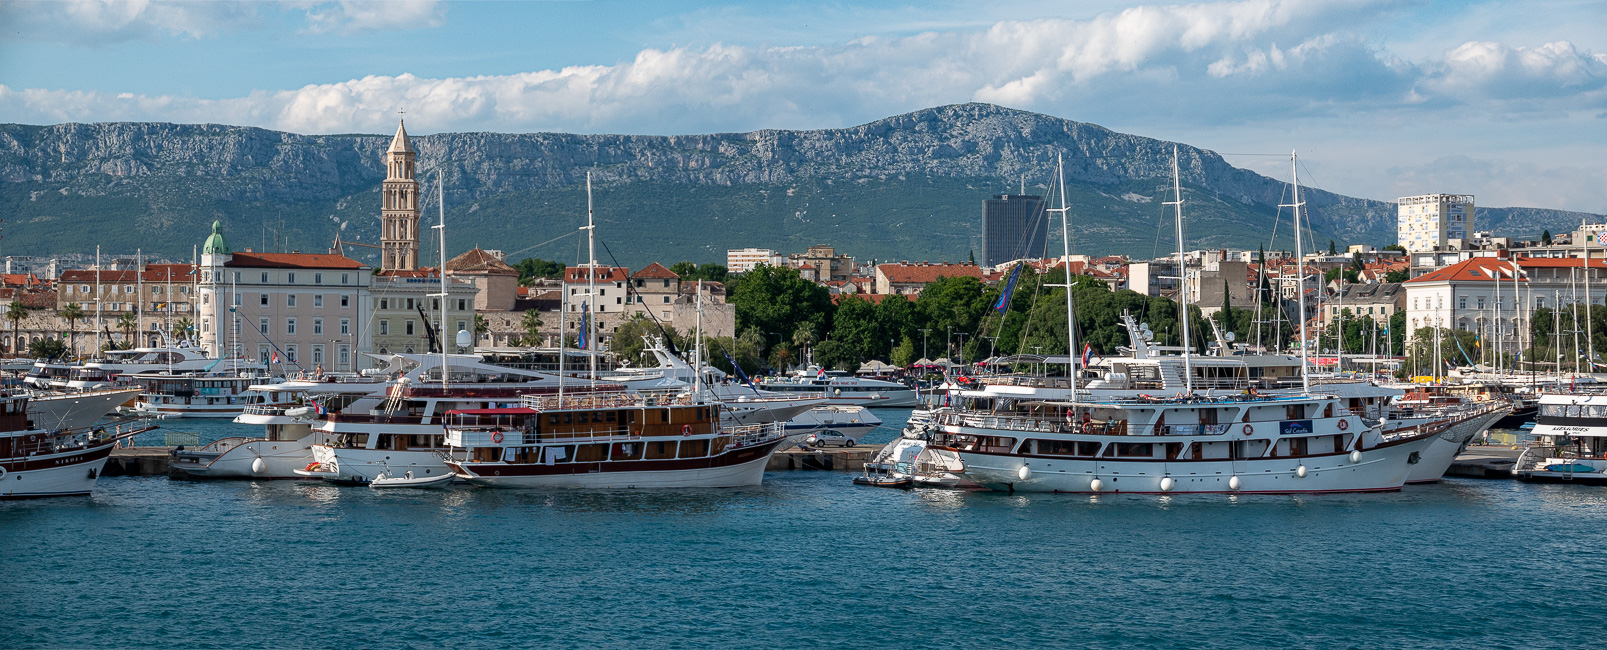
{"x":1431,"y":221}
{"x":1014,"y":226}
{"x":745,"y":259}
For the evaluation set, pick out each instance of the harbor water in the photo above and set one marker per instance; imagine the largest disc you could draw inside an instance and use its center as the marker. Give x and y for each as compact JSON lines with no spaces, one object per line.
{"x":806,"y":560}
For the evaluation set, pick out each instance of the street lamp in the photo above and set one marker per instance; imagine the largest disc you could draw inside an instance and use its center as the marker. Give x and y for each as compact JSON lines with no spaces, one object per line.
{"x":962,"y":346}
{"x":924,"y":333}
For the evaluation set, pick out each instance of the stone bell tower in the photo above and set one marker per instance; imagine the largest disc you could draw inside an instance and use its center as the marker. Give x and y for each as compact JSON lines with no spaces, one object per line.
{"x":399,"y":212}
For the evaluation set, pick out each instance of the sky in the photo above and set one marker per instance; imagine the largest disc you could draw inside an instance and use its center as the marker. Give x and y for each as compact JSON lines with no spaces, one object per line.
{"x":1502,"y":99}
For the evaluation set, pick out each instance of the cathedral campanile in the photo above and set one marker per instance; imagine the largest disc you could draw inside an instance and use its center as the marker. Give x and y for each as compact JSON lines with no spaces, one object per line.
{"x":399,"y":213}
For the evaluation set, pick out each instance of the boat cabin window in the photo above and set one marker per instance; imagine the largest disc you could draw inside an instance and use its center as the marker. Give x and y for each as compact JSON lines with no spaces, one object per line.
{"x":660,"y":449}
{"x":552,"y":418}
{"x":1249,"y":448}
{"x":1328,"y":411}
{"x":694,"y":448}
{"x":569,"y":418}
{"x":1067,"y":448}
{"x":558,"y":453}
{"x":1135,"y":449}
{"x":610,"y":416}
{"x":628,"y":451}
{"x":664,"y":415}
{"x":592,"y":453}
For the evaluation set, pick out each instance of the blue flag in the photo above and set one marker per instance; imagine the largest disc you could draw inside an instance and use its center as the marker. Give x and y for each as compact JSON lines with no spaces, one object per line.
{"x":1009,"y":288}
{"x":741,"y":374}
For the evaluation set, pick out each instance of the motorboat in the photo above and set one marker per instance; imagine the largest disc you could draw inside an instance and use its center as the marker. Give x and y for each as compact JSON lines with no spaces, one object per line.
{"x":203,"y":395}
{"x":408,"y":480}
{"x":1571,"y":428}
{"x":601,"y":440}
{"x":840,"y":388}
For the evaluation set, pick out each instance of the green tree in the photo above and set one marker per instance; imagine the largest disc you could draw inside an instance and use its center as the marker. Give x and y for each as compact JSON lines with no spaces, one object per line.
{"x":127,"y":322}
{"x":1395,"y":247}
{"x":530,"y":328}
{"x":776,"y":300}
{"x":1396,"y":276}
{"x":73,"y":313}
{"x":1545,"y":237}
{"x":1331,"y":250}
{"x":904,"y":354}
{"x":628,"y":344}
{"x":46,"y":348}
{"x":16,"y":312}
{"x":530,"y":269}
{"x":856,"y":328}
{"x":183,"y":328}
{"x":481,"y":327}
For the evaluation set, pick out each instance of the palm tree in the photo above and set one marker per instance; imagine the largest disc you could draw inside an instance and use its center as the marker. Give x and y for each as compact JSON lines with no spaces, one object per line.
{"x":181,"y":328}
{"x":531,"y":323}
{"x":802,"y":338}
{"x":127,"y":322}
{"x":481,"y":327}
{"x":73,"y":313}
{"x":16,"y":312}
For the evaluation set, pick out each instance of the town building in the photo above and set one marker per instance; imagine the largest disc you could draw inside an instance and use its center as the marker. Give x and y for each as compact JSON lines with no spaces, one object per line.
{"x":653,"y":291}
{"x":1487,"y":296}
{"x":1014,"y":226}
{"x":496,"y":281}
{"x":399,"y":206}
{"x":305,"y":309}
{"x":824,"y":263}
{"x":908,"y":279}
{"x":1433,"y":221}
{"x":745,"y":259}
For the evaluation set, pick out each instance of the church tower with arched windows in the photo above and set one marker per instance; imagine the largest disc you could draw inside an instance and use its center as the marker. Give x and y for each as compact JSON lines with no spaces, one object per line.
{"x":399,"y":211}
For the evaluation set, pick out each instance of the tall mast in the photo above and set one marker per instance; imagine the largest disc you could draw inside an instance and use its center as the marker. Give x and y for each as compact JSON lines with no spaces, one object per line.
{"x":1590,"y":302}
{"x":591,"y":284}
{"x":1182,"y":272}
{"x":1497,"y":322}
{"x":697,"y":356}
{"x":440,"y":197}
{"x":1300,"y":278}
{"x":1065,"y":244}
{"x":99,"y":305}
{"x":139,"y":293}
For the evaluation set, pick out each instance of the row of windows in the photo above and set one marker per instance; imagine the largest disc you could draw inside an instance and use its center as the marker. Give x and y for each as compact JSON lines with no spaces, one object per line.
{"x":265,"y":326}
{"x":409,"y":304}
{"x":342,"y":355}
{"x":290,"y":277}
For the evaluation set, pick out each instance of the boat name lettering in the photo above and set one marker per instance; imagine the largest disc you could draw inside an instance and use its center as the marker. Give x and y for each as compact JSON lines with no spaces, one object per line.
{"x":1294,"y":427}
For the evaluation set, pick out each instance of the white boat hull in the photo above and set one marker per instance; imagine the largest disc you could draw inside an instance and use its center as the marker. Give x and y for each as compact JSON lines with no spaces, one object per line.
{"x":364,"y":465}
{"x":1380,"y":469}
{"x":53,"y":475}
{"x":1443,"y":451}
{"x":280,"y":459}
{"x":76,"y":410}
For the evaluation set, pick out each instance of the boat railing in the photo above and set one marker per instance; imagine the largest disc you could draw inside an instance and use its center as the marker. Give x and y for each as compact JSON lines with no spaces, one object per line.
{"x":505,"y":436}
{"x":70,"y":439}
{"x":1115,"y":427}
{"x":263,"y":409}
{"x":582,"y":401}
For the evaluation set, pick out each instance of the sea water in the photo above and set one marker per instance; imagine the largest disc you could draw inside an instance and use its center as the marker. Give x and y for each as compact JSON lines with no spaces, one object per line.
{"x":806,"y":560}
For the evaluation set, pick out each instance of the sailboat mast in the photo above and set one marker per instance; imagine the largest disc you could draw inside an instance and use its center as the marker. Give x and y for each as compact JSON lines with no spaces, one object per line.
{"x":440,"y":199}
{"x":591,"y":284}
{"x":1065,"y":244}
{"x":1182,"y":273}
{"x":1590,"y":307}
{"x":1300,"y":278}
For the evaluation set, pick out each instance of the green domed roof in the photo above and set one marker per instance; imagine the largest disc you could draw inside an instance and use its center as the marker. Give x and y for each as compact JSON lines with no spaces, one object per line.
{"x":216,"y":244}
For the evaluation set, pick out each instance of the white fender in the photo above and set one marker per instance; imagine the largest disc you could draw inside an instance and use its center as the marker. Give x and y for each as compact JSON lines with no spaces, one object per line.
{"x":1166,"y":484}
{"x":1233,"y":483}
{"x":1300,"y":471}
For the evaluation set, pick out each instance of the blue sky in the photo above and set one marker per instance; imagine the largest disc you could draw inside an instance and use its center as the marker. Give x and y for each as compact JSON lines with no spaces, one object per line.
{"x":1505,"y":100}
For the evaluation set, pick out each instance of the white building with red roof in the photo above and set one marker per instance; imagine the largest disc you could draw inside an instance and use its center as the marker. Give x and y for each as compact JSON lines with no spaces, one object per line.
{"x":909,"y":279}
{"x":1493,"y":296}
{"x":308,"y":309}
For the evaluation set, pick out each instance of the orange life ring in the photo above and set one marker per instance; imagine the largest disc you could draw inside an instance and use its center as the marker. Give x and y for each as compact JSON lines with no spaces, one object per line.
{"x":1248,"y":429}
{"x":1344,"y":424}
{"x":496,"y":437}
{"x":686,"y":429}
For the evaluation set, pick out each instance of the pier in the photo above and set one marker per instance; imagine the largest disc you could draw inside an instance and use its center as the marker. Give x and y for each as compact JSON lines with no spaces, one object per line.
{"x":139,"y":461}
{"x":841,"y":459}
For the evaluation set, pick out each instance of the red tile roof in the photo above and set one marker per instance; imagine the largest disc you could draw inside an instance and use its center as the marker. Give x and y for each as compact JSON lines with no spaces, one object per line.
{"x":477,"y":261}
{"x":293,"y":261}
{"x":166,"y":272}
{"x":603,"y":273}
{"x":1482,"y":269}
{"x":655,"y":271}
{"x":924,"y":273}
{"x":77,"y":276}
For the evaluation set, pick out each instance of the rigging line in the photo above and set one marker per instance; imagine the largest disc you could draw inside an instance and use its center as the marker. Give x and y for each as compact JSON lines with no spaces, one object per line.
{"x":535,"y":246}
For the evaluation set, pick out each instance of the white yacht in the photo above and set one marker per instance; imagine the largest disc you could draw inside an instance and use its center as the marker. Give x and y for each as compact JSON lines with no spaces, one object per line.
{"x":203,"y":395}
{"x":842,"y":389}
{"x":1572,"y":429}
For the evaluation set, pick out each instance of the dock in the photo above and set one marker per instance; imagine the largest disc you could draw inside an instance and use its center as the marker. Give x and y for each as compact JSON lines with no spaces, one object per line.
{"x":1480,"y":461}
{"x":841,"y":459}
{"x":139,"y":461}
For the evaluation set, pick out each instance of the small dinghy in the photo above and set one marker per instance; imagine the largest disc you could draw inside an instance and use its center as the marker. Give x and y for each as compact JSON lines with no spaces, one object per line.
{"x":407,"y":480}
{"x":881,"y":475}
{"x":315,"y":470}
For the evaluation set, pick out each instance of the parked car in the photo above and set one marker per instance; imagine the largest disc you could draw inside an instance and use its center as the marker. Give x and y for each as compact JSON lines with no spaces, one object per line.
{"x":828,"y":437}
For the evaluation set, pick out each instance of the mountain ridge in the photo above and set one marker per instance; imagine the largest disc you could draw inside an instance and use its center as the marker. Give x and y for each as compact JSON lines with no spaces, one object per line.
{"x":907,"y":186}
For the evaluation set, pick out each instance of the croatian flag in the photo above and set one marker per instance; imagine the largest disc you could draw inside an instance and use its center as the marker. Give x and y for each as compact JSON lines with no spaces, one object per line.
{"x":318,"y":408}
{"x":1087,"y":354}
{"x":820,"y":373}
{"x":275,"y":356}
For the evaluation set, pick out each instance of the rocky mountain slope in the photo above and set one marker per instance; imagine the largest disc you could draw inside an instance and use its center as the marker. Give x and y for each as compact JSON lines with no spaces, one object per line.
{"x":906,"y":187}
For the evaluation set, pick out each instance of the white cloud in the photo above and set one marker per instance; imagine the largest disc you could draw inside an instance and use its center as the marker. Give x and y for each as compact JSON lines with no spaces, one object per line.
{"x":359,"y":16}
